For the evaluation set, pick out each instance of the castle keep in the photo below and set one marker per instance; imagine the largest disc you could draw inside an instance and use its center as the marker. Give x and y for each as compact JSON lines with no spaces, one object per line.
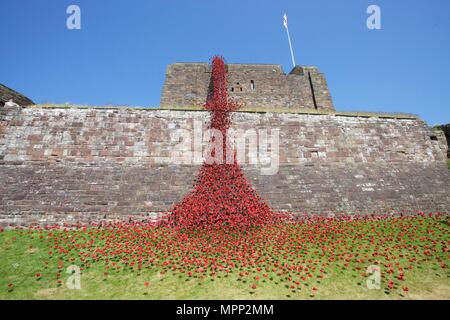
{"x":68,"y":164}
{"x":259,"y":86}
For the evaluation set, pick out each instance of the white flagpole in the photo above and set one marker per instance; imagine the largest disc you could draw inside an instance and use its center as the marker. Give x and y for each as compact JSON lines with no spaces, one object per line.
{"x":289,"y":38}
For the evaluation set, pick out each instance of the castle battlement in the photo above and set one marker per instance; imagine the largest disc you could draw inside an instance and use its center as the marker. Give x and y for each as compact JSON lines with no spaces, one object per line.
{"x":253,"y":85}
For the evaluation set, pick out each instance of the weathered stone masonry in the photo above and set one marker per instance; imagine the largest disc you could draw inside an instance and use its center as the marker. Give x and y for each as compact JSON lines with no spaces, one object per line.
{"x":261,"y":86}
{"x":66,"y":165}
{"x":443,"y":134}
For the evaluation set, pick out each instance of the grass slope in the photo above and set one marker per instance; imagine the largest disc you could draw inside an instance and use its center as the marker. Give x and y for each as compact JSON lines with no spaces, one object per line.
{"x":31,"y":266}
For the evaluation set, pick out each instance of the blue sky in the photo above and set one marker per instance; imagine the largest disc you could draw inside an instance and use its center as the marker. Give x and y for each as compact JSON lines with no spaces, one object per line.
{"x":120,"y":54}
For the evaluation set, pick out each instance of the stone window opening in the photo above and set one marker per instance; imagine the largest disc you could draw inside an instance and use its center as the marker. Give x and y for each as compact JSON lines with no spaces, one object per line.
{"x":434,"y":138}
{"x":237,"y":87}
{"x":252,"y":84}
{"x":312,"y":90}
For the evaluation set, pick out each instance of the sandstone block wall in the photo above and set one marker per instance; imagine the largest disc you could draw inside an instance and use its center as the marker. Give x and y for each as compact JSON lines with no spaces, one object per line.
{"x":66,"y":165}
{"x":443,"y":133}
{"x":254,"y":85}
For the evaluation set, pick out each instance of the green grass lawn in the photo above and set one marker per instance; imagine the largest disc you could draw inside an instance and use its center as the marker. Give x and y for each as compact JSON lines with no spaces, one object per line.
{"x":34,"y":261}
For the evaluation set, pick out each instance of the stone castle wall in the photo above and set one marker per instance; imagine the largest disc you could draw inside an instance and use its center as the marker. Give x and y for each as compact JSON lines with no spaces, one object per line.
{"x":66,"y":165}
{"x":253,"y":85}
{"x":443,"y":134}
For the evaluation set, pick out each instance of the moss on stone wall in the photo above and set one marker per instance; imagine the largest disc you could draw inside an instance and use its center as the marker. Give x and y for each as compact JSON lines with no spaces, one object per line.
{"x":245,"y":109}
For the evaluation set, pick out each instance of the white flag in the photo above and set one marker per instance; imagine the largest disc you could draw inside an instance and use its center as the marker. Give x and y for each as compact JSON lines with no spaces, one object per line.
{"x":285,"y":21}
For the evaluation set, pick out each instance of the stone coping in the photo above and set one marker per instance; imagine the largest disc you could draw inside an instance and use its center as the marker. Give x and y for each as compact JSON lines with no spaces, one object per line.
{"x":305,"y":111}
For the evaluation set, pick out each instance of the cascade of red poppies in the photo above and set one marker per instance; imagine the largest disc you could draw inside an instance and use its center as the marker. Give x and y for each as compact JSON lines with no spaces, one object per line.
{"x":221,"y":196}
